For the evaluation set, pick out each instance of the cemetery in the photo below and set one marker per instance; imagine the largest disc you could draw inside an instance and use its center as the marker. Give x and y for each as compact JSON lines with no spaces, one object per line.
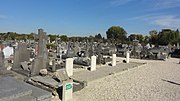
{"x":30,"y":70}
{"x":90,"y":50}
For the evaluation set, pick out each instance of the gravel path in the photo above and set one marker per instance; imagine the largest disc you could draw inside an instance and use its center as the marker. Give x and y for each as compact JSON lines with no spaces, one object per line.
{"x":157,"y":81}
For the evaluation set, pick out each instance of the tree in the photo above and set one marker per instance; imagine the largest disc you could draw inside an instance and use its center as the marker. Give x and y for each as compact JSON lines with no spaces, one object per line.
{"x":52,"y":37}
{"x":153,"y":37}
{"x":167,"y":36}
{"x":139,"y":37}
{"x":146,"y":40}
{"x":116,"y":33}
{"x":98,"y":36}
{"x":64,"y":38}
{"x":178,"y":38}
{"x":31,"y":36}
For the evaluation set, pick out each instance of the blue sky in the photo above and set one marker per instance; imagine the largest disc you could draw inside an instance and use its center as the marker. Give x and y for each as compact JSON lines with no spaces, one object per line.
{"x":88,"y":17}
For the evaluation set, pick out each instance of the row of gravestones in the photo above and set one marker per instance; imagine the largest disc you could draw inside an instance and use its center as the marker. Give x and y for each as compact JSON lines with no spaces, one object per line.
{"x":39,"y":63}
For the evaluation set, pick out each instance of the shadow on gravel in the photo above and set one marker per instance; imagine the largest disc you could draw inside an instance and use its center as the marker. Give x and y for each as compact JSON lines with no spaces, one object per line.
{"x":171,"y":82}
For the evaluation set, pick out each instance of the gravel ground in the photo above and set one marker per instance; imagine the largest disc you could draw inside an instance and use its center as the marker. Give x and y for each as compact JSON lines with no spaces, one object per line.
{"x":156,"y":81}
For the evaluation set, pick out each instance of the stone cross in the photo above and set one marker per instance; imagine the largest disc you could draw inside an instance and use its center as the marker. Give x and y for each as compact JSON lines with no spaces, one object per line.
{"x":42,"y":56}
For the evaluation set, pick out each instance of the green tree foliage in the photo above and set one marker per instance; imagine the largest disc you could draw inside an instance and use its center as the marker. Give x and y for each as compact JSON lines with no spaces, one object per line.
{"x":8,"y":36}
{"x":21,"y":37}
{"x":52,"y":37}
{"x":146,"y":39}
{"x":98,"y":36}
{"x":178,"y":36}
{"x":64,"y":38}
{"x":167,"y":36}
{"x":139,"y":37}
{"x":31,"y":36}
{"x":153,"y":37}
{"x":116,"y":33}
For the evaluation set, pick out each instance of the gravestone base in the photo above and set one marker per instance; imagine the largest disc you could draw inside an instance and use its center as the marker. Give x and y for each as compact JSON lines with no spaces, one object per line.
{"x":67,"y":90}
{"x":14,"y":90}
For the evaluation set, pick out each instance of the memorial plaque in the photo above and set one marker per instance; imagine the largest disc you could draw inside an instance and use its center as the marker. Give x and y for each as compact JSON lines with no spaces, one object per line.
{"x":68,"y":86}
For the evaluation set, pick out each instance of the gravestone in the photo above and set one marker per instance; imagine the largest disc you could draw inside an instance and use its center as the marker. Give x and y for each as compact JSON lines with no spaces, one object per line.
{"x":21,"y":55}
{"x":76,"y":48}
{"x":61,"y":75}
{"x":69,"y":66}
{"x":93,"y":63}
{"x":169,"y":48}
{"x":136,"y":49}
{"x":87,"y":50}
{"x":35,"y":67}
{"x":127,"y":56}
{"x":42,"y":56}
{"x":91,"y":50}
{"x":59,"y":53}
{"x":114,"y":60}
{"x":42,"y":42}
{"x":1,"y":59}
{"x":178,"y":47}
{"x":99,"y":53}
{"x":53,"y":65}
{"x":70,"y":52}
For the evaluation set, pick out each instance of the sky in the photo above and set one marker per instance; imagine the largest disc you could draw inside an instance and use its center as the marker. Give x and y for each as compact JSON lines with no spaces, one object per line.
{"x":88,"y":17}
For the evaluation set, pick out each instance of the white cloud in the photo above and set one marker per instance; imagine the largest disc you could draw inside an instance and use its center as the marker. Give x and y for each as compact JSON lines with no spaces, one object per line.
{"x":151,"y":4}
{"x":163,"y":4}
{"x":167,"y":21}
{"x":119,"y":2}
{"x":170,"y":21}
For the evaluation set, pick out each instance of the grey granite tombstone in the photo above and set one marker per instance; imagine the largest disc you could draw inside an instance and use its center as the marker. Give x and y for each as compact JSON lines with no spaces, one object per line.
{"x":169,"y":48}
{"x":86,"y":50}
{"x":91,"y":50}
{"x":62,"y":75}
{"x":42,"y":56}
{"x":54,"y":65}
{"x":35,"y":67}
{"x":21,"y":54}
{"x":178,"y":47}
{"x":100,"y":56}
{"x":70,"y":52}
{"x":1,"y":59}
